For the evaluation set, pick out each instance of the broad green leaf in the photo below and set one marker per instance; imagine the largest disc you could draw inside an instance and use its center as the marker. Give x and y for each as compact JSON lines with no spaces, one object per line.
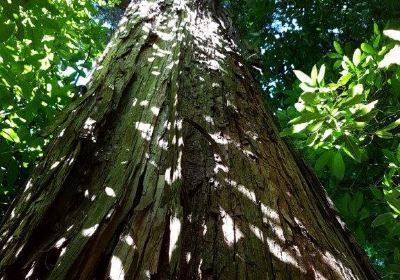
{"x":382,"y":219}
{"x":394,"y":203}
{"x":323,"y":160}
{"x":315,"y":126}
{"x":351,"y":148}
{"x":314,"y":74}
{"x":321,"y":73}
{"x":384,"y":134}
{"x":337,"y":47}
{"x":303,"y":77}
{"x":392,"y":34}
{"x":299,"y":127}
{"x":392,"y":57}
{"x":307,"y":88}
{"x":299,"y":106}
{"x":376,"y":29}
{"x":10,"y":135}
{"x":376,"y":41}
{"x":6,"y":30}
{"x":365,"y":109}
{"x":338,"y":166}
{"x":326,"y":134}
{"x":364,"y":213}
{"x":305,"y":117}
{"x":391,"y":126}
{"x":357,"y":57}
{"x":376,"y":192}
{"x":356,"y":203}
{"x":308,"y":97}
{"x":344,"y":79}
{"x":367,"y":48}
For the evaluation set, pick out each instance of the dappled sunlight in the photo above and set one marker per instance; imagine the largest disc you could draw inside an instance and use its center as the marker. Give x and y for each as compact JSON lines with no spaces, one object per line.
{"x":90,"y":231}
{"x":116,"y":269}
{"x":175,"y":231}
{"x":282,"y":255}
{"x":146,"y":130}
{"x":230,"y":230}
{"x":110,"y":192}
{"x":60,"y":242}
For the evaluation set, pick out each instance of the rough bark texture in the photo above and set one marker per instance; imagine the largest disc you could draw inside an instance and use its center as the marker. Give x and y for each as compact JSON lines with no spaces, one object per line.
{"x":170,"y":168}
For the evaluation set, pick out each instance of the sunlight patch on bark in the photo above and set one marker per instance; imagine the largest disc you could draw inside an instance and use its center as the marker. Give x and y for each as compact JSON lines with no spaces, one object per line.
{"x":145,"y":129}
{"x":231,"y":232}
{"x":90,"y":231}
{"x":175,"y":230}
{"x":281,"y":254}
{"x":109,"y":191}
{"x":116,"y":269}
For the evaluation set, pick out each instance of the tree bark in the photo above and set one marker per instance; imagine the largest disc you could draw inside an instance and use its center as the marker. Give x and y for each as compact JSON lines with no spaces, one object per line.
{"x":169,"y":167}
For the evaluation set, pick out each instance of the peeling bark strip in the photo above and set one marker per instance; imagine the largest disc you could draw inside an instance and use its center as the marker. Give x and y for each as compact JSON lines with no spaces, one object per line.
{"x":170,"y":168}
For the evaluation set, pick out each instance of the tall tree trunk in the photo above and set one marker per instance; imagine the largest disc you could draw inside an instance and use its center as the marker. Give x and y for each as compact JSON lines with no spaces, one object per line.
{"x":170,"y":168}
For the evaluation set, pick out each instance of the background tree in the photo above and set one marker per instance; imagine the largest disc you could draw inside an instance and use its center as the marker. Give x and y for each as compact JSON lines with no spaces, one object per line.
{"x":46,"y":48}
{"x":349,"y":129}
{"x":171,"y":137}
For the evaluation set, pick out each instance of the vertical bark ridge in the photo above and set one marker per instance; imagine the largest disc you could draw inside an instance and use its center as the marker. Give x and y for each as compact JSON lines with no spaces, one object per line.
{"x":170,"y":168}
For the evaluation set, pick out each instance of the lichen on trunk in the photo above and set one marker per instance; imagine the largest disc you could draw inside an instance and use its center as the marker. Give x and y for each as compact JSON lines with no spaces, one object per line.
{"x":169,"y":167}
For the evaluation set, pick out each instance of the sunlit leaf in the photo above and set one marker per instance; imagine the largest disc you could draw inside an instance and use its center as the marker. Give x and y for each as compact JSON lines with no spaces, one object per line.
{"x":337,"y":47}
{"x":357,"y":57}
{"x":392,"y":34}
{"x":392,"y":57}
{"x":321,"y":73}
{"x":10,"y":135}
{"x":303,"y":77}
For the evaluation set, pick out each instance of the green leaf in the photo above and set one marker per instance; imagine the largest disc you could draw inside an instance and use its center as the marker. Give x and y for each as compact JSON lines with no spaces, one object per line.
{"x":356,"y":203}
{"x":351,"y":148}
{"x":323,"y":160}
{"x":384,"y":134}
{"x":376,"y":29}
{"x":308,"y":97}
{"x":367,"y":48}
{"x":314,"y":74}
{"x":303,"y":77}
{"x":337,"y":47}
{"x":394,"y":203}
{"x":6,"y":30}
{"x":321,"y":73}
{"x":392,"y":57}
{"x":365,"y":109}
{"x":299,"y":127}
{"x":10,"y":135}
{"x":305,"y":117}
{"x":338,"y":166}
{"x":344,"y":79}
{"x":357,"y":57}
{"x":307,"y":88}
{"x":391,"y":126}
{"x":364,"y":213}
{"x":376,"y":192}
{"x":392,"y":34}
{"x":382,"y":219}
{"x":398,"y":153}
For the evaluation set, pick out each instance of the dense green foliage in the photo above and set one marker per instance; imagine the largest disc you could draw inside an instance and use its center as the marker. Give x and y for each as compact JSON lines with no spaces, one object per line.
{"x":294,"y":34}
{"x":45,"y":47}
{"x":343,"y":116}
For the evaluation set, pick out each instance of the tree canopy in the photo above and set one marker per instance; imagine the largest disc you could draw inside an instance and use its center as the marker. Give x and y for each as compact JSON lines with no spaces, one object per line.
{"x":329,"y":69}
